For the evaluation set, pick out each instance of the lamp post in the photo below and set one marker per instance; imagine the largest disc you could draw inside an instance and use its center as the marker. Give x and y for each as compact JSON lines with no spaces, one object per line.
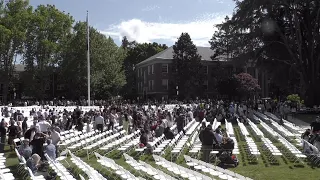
{"x":14,"y":95}
{"x":177,"y":89}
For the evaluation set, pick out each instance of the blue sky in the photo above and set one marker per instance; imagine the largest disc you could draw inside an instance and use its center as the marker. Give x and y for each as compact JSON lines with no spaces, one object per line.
{"x":149,"y":20}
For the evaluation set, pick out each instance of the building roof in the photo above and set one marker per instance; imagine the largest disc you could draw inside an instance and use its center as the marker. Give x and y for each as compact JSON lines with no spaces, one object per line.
{"x":19,"y":67}
{"x":204,"y":52}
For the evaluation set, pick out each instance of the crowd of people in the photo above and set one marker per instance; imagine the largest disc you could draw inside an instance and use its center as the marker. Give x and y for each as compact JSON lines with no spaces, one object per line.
{"x":43,"y":136}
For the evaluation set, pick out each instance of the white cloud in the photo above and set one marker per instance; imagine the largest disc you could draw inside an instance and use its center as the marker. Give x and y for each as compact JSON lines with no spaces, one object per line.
{"x":200,"y":30}
{"x":150,"y":8}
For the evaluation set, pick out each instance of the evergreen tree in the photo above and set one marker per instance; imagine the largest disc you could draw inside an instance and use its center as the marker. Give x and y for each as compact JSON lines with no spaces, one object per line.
{"x":187,"y":68}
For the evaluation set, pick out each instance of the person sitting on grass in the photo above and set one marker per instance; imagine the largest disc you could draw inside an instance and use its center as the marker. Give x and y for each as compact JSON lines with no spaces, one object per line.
{"x":25,"y":149}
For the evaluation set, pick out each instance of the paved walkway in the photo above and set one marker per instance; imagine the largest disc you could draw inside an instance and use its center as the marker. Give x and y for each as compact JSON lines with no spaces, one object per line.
{"x":299,"y":122}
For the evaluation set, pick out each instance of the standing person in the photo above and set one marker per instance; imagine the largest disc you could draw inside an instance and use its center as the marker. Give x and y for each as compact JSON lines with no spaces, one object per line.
{"x":24,"y":125}
{"x":180,"y":123}
{"x":55,"y":138}
{"x":126,"y":122}
{"x":113,"y":117}
{"x":37,"y":144}
{"x":207,"y":138}
{"x":12,"y":133}
{"x":99,"y":122}
{"x":3,"y":134}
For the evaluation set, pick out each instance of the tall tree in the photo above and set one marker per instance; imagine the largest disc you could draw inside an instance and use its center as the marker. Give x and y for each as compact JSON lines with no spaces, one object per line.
{"x":283,"y":31}
{"x":14,"y":20}
{"x":46,"y":37}
{"x":187,"y":67}
{"x":107,"y":75}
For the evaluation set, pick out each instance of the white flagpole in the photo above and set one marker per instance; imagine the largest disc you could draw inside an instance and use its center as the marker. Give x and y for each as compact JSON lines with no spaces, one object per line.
{"x":88,"y":58}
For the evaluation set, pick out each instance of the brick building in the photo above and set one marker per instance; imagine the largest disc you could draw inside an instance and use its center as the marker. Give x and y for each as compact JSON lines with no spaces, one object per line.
{"x":154,"y":74}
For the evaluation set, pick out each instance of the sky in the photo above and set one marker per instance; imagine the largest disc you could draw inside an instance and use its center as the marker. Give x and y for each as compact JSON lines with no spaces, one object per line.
{"x":149,"y":20}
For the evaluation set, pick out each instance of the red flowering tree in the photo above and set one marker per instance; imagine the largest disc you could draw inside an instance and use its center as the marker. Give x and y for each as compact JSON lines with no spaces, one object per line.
{"x":246,"y":84}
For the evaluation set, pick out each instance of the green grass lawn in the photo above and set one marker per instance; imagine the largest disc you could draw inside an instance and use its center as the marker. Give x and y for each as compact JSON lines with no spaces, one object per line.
{"x":263,"y":169}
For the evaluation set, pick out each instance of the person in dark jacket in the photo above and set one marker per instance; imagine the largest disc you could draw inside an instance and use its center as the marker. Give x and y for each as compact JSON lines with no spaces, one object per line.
{"x":207,"y":139}
{"x":181,"y":122}
{"x":168,"y":133}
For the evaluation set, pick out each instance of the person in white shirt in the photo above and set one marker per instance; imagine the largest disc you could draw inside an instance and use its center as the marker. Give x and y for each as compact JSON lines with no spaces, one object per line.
{"x":55,"y":137}
{"x":113,"y":117}
{"x":99,"y":122}
{"x":218,"y":136}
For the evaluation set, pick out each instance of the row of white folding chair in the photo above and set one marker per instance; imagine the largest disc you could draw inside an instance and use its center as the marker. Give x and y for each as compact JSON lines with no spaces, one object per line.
{"x":160,"y":174}
{"x":179,"y":170}
{"x":213,"y":170}
{"x":88,"y":140}
{"x":229,"y":129}
{"x":112,"y":165}
{"x":255,"y":128}
{"x":192,"y":128}
{"x":4,"y":171}
{"x":189,"y":125}
{"x":272,"y":148}
{"x":206,"y":168}
{"x":283,"y":130}
{"x":91,"y":172}
{"x":145,"y":169}
{"x":236,"y":146}
{"x":130,"y":144}
{"x":253,"y":148}
{"x":196,"y":144}
{"x":182,"y":142}
{"x":59,"y":169}
{"x":268,"y":129}
{"x":286,"y":143}
{"x":109,"y":140}
{"x":163,"y":144}
{"x":292,"y":148}
{"x":119,"y":141}
{"x":243,"y":129}
{"x":78,"y":136}
{"x":71,"y":134}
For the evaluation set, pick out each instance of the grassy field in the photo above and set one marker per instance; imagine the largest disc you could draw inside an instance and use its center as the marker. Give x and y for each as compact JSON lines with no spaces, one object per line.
{"x":264,"y":168}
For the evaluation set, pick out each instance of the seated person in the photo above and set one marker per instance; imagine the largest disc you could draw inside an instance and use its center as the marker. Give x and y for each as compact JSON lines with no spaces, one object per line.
{"x":168,"y":133}
{"x":306,"y":135}
{"x":25,"y":149}
{"x":51,"y":149}
{"x":228,"y":144}
{"x":144,"y":139}
{"x":159,"y":129}
{"x":34,"y":162}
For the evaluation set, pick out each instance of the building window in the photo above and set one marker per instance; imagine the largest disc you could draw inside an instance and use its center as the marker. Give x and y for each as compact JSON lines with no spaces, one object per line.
{"x":205,"y":69}
{"x":141,"y":72}
{"x":152,"y":85}
{"x":145,"y":77}
{"x":60,"y":87}
{"x":152,"y":69}
{"x":149,"y":70}
{"x":165,"y":84}
{"x":164,"y":68}
{"x":138,"y":72}
{"x":205,"y":85}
